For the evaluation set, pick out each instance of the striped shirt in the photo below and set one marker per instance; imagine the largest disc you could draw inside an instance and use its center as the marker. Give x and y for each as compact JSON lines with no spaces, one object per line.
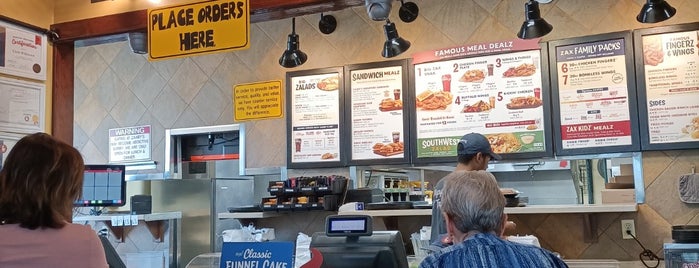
{"x":486,"y":250}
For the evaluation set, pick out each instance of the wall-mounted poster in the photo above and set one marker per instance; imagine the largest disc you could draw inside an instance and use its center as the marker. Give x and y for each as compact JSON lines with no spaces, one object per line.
{"x":497,"y":90}
{"x":22,"y":52}
{"x":22,"y":106}
{"x":667,"y":69}
{"x":594,"y":94}
{"x":315,"y":118}
{"x":377,"y":120}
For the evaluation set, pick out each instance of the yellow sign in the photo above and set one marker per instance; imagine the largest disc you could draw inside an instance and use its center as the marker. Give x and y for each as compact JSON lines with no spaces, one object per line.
{"x":261,"y":100}
{"x":199,"y":28}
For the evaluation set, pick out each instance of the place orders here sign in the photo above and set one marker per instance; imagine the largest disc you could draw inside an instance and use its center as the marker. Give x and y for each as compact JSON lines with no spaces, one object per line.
{"x":198,"y":28}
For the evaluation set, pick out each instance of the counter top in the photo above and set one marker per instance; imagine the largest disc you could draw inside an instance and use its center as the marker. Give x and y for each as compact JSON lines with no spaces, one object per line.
{"x":247,"y":215}
{"x":534,"y":209}
{"x":158,"y":216}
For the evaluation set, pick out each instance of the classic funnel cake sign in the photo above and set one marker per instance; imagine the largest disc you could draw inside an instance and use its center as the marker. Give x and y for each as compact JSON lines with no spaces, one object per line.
{"x":200,"y":28}
{"x":258,"y":255}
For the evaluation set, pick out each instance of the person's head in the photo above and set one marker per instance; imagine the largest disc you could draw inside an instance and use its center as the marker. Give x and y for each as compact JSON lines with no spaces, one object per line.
{"x":39,"y":181}
{"x":474,"y":151}
{"x":472,"y":201}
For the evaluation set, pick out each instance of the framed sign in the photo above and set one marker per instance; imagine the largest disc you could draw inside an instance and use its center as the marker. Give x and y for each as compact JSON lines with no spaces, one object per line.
{"x":499,"y":89}
{"x":377,"y":121}
{"x":667,"y":73}
{"x":594,"y":94}
{"x":257,"y":254}
{"x":22,"y":52}
{"x":315,"y":118}
{"x":22,"y":106}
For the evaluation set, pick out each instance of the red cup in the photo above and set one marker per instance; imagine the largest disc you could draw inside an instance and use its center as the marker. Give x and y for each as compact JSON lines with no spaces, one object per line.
{"x":537,"y":93}
{"x":446,"y":82}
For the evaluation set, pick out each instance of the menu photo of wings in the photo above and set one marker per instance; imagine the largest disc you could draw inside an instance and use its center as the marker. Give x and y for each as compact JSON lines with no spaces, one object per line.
{"x":524,"y":69}
{"x":479,"y":106}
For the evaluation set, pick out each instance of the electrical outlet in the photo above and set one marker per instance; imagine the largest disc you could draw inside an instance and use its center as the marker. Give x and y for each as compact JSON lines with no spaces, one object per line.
{"x":627,"y":225}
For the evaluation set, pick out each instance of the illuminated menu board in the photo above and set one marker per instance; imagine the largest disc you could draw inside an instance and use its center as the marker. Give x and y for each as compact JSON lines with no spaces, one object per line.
{"x":594,"y":94}
{"x":496,"y":89}
{"x":667,"y":65}
{"x":314,"y":118}
{"x":376,"y":93}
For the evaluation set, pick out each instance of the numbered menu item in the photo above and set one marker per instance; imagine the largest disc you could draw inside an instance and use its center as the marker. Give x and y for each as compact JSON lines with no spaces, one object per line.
{"x":671,"y":65}
{"x":593,"y":94}
{"x":498,"y":96}
{"x":377,"y":113}
{"x":315,"y":118}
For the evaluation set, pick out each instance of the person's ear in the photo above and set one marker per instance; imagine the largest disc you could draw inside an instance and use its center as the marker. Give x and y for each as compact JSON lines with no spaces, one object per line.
{"x":503,"y":224}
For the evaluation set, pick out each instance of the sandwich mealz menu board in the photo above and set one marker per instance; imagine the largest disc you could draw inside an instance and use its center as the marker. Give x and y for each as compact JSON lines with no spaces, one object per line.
{"x":315,"y":119}
{"x":671,"y":64}
{"x":377,"y":113}
{"x":593,"y":94}
{"x":499,"y":96}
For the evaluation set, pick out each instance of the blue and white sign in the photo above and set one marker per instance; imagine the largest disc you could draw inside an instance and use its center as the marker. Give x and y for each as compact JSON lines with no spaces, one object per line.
{"x":257,"y":255}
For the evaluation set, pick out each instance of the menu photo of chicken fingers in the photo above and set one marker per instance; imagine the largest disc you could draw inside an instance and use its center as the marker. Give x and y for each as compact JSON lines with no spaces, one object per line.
{"x":433,"y":100}
{"x":526,"y":102}
{"x":388,"y":149}
{"x":473,"y":76}
{"x":692,"y":129}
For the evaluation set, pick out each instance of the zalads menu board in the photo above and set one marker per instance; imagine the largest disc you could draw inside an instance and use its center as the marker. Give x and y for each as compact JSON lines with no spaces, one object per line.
{"x":672,"y":86}
{"x":315,"y":120}
{"x":377,"y":113}
{"x":498,"y":96}
{"x":593,"y":94}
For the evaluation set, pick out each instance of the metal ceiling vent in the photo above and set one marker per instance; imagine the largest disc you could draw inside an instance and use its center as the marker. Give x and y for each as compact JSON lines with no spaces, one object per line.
{"x":138,"y":42}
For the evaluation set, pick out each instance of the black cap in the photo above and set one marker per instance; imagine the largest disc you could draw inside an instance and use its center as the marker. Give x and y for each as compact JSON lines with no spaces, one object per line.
{"x":473,"y":143}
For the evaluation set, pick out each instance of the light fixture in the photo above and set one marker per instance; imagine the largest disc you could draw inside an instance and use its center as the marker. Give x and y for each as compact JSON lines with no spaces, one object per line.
{"x":327,"y":24}
{"x":378,"y":10}
{"x":655,"y":11}
{"x":408,"y":11}
{"x":394,"y":45}
{"x":534,"y":26}
{"x":292,"y":56}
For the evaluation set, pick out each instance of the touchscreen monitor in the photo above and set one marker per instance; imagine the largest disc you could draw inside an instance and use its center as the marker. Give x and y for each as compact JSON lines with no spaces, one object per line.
{"x":103,"y":186}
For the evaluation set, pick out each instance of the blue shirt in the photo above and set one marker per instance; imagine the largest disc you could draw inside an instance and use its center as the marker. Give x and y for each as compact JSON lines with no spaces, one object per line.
{"x":488,"y":251}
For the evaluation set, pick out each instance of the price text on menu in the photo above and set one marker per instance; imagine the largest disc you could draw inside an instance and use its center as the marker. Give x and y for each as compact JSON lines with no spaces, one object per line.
{"x":498,"y":96}
{"x":315,"y":116}
{"x":672,"y":86}
{"x":594,"y":97}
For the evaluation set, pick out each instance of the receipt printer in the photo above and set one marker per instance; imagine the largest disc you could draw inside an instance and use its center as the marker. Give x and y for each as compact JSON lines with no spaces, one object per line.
{"x":141,"y":204}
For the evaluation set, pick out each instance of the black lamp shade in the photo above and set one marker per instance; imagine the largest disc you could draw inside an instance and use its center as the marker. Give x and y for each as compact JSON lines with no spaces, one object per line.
{"x":408,"y":12}
{"x":655,"y":11}
{"x":327,"y":24}
{"x":292,"y":56}
{"x":534,"y":26}
{"x":394,"y":45}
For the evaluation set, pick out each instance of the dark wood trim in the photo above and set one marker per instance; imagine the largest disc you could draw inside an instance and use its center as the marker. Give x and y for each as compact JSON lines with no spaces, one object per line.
{"x":135,"y":21}
{"x":63,"y":91}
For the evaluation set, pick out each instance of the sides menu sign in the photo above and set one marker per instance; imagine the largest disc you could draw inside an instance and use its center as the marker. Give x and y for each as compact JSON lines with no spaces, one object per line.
{"x":593,"y":94}
{"x":671,"y":65}
{"x":497,"y":95}
{"x":376,"y":102}
{"x":314,"y":114}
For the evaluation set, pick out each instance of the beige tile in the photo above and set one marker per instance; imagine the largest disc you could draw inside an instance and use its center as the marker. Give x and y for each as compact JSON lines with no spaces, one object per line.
{"x":564,"y":233}
{"x":128,"y":110}
{"x":456,"y":19}
{"x":147,"y":84}
{"x":663,"y":194}
{"x":90,"y":67}
{"x":127,"y":64}
{"x":586,"y":13}
{"x":654,"y":163}
{"x":605,"y":248}
{"x":110,"y":51}
{"x":209,"y":103}
{"x":188,"y":80}
{"x":90,"y":114}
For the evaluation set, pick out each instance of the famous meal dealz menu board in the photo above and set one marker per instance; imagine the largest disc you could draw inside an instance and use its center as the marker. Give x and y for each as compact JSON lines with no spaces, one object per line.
{"x":667,"y":67}
{"x":593,"y":95}
{"x":495,"y":89}
{"x":377,"y":119}
{"x":314,"y":118}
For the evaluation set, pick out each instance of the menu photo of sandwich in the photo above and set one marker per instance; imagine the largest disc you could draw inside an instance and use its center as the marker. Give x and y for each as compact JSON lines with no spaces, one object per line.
{"x":433,"y":100}
{"x":389,"y":104}
{"x":527,"y":102}
{"x":692,"y":129}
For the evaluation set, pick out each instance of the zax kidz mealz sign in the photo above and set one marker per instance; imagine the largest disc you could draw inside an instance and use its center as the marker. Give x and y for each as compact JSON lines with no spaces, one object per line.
{"x":199,"y":28}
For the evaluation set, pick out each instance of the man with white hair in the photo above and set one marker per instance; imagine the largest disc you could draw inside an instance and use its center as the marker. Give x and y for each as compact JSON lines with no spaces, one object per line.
{"x":473,"y":208}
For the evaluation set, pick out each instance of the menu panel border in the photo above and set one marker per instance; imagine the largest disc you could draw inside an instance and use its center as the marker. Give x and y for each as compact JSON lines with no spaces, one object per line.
{"x":545,"y":95}
{"x":642,"y":92}
{"x":342,"y":160}
{"x":632,"y":92}
{"x":406,"y":95}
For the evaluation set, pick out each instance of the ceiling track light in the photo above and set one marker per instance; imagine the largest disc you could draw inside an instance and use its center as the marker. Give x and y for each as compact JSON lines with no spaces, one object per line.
{"x":327,"y":24}
{"x":655,"y":11}
{"x":534,"y":26}
{"x":408,"y":11}
{"x":292,"y":56}
{"x":394,"y":45}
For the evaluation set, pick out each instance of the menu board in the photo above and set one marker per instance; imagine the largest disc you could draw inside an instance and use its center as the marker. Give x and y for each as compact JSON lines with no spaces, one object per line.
{"x":668,"y":60}
{"x":593,"y":96}
{"x":314,"y":119}
{"x":377,"y":118}
{"x":500,"y":95}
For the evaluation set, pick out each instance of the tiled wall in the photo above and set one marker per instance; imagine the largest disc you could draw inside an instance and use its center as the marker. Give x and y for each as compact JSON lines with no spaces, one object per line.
{"x":116,"y":88}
